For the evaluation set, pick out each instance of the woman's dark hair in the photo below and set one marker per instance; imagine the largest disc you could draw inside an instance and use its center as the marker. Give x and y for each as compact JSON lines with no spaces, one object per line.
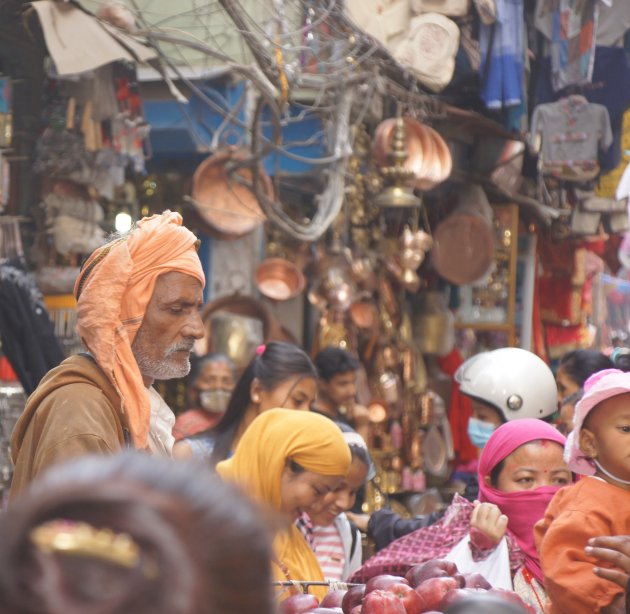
{"x":277,"y":363}
{"x":361,"y":454}
{"x":579,"y":365}
{"x":202,"y":546}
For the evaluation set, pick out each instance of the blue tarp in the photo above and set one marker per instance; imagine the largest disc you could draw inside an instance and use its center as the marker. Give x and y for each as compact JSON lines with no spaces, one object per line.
{"x":182,"y":134}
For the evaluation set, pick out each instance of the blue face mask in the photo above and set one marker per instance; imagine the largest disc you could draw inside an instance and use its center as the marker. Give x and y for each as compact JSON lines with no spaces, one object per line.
{"x":479,"y":432}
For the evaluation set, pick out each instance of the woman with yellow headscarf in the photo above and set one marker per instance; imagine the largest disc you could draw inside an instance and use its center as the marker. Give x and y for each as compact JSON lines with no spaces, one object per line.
{"x":289,"y":461}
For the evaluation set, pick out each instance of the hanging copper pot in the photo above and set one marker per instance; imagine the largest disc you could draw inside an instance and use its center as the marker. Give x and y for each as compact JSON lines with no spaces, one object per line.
{"x":363,"y":314}
{"x":441,"y":162}
{"x":279,"y":279}
{"x":463,"y":243}
{"x":221,"y":201}
{"x":428,"y":155}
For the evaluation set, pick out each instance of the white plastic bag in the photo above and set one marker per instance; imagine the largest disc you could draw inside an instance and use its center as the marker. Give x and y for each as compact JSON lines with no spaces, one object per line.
{"x":495,"y":568}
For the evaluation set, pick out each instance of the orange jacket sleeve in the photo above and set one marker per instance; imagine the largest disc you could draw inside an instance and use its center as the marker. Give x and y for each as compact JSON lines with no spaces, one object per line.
{"x":571,"y":585}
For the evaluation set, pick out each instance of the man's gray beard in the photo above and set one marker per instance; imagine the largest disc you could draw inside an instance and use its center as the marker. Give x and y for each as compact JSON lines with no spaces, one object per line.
{"x":154,"y":369}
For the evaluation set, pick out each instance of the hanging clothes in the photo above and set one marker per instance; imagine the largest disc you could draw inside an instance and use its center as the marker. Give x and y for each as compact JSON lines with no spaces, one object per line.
{"x":26,"y":331}
{"x":502,"y":46}
{"x":571,"y":28}
{"x":610,"y":86}
{"x":573,"y":131}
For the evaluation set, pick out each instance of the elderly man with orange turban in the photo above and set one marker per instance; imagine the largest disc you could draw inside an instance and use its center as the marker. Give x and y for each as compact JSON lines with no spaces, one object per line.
{"x":138,"y":300}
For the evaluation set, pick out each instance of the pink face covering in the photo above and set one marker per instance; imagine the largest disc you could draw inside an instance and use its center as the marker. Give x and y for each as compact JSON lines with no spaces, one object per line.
{"x":524,"y":508}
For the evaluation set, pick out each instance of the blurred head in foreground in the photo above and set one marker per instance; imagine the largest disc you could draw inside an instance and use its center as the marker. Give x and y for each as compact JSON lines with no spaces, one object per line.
{"x":133,"y":533}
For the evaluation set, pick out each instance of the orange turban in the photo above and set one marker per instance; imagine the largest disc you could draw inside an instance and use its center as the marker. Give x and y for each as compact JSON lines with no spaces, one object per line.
{"x":113,"y":291}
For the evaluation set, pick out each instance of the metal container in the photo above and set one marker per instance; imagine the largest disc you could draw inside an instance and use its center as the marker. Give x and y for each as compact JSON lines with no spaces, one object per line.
{"x":221,"y":200}
{"x":278,"y":279}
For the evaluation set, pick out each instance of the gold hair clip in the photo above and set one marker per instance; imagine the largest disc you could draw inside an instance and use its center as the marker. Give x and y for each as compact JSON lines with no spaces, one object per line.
{"x":82,"y":539}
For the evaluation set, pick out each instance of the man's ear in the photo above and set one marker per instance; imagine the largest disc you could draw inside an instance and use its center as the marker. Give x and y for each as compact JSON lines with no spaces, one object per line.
{"x":588,"y":443}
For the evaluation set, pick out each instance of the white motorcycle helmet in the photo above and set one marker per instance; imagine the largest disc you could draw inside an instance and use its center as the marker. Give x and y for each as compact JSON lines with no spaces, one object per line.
{"x":514,"y":381}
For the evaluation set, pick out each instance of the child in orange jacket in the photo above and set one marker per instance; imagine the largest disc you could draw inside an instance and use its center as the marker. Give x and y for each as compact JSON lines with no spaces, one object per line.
{"x":599,"y":504}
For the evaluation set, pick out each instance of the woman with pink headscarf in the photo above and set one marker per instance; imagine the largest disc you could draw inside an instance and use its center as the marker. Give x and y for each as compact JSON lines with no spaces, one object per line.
{"x":520,"y":470}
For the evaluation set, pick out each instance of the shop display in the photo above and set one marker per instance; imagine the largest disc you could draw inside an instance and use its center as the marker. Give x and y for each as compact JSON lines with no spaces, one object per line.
{"x":433,"y":586}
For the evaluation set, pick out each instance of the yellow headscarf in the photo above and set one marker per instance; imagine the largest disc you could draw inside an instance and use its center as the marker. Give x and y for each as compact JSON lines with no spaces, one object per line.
{"x":113,"y":290}
{"x":312,"y":441}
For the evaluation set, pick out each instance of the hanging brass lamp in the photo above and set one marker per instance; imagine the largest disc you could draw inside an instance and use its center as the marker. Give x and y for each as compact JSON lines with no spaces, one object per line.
{"x":399,"y":193}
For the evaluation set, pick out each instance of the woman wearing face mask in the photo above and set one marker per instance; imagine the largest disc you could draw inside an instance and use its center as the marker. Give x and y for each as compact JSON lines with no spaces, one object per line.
{"x":280,"y":375}
{"x":336,"y":541}
{"x":503,"y":385}
{"x":212,"y":381}
{"x":290,"y":461}
{"x":520,"y":469}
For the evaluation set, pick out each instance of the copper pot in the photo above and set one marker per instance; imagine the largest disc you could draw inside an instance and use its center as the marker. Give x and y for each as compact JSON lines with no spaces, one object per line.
{"x":279,"y":279}
{"x":441,"y":165}
{"x":463,"y":243}
{"x":363,"y":314}
{"x":415,"y":145}
{"x":433,"y":324}
{"x":338,"y":287}
{"x":221,"y":200}
{"x":428,"y":155}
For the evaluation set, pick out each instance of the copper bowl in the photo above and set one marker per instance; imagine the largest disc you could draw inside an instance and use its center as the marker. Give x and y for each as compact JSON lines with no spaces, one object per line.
{"x":279,"y":279}
{"x":221,"y":200}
